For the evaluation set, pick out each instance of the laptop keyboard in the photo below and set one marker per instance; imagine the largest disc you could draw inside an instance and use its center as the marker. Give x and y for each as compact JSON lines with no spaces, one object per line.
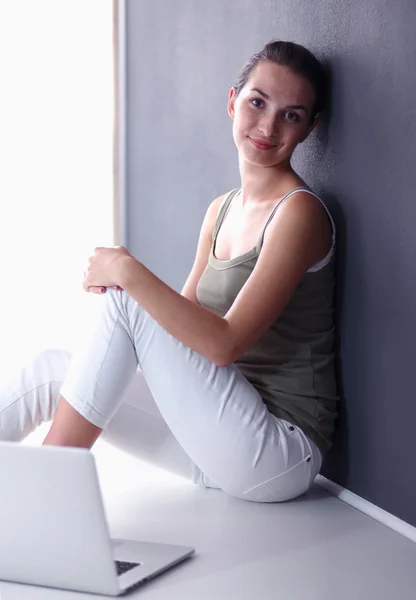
{"x":123,"y":566}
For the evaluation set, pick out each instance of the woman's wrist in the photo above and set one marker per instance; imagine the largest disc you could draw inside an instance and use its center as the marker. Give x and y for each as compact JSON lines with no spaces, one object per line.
{"x":128,"y":271}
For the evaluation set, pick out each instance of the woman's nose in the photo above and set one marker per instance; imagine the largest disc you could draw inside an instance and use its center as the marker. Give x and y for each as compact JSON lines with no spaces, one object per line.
{"x":268,"y":126}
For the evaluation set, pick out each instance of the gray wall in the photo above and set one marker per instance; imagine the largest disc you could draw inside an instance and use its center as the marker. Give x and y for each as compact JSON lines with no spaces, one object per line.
{"x":182,"y":59}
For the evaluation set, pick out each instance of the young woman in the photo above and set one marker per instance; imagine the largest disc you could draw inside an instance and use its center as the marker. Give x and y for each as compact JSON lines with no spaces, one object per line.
{"x":230,"y":383}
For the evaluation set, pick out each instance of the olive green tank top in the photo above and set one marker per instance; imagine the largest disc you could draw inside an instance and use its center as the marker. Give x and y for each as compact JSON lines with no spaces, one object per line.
{"x":292,"y":366}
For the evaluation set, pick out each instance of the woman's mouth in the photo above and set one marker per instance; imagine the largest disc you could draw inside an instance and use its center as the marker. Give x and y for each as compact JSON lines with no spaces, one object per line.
{"x":261,"y":144}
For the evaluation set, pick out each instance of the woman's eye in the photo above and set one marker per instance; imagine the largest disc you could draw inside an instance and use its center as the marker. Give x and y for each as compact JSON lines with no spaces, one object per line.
{"x":257,"y":102}
{"x":292,"y":116}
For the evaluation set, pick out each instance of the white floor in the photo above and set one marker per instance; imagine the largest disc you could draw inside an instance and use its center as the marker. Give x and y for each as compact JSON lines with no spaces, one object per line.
{"x":316,"y":547}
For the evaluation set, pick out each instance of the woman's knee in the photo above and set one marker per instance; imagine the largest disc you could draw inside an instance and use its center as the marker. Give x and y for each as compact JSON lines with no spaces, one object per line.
{"x":50,"y":364}
{"x":29,"y":396}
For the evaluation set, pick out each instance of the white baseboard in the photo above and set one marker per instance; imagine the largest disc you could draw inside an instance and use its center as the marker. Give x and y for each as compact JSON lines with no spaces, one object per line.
{"x":380,"y":515}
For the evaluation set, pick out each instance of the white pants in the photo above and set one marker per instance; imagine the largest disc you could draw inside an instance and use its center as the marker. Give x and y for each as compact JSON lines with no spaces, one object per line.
{"x":165,"y":403}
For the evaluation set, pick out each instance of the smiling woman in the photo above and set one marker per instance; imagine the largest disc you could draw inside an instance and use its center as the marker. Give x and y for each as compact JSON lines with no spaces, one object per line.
{"x":231,"y":383}
{"x":56,"y":154}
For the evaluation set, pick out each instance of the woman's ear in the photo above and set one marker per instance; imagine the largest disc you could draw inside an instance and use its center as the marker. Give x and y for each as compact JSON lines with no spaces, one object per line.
{"x":310,"y":128}
{"x":231,"y":102}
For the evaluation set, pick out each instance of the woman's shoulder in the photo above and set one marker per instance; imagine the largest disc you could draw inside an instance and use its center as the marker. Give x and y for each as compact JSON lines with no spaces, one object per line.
{"x":304,"y":198}
{"x":216,"y":205}
{"x":212,"y":214}
{"x":302,"y":208}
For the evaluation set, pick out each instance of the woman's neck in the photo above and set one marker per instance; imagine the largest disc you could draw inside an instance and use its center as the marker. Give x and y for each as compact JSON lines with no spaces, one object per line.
{"x":262,"y":184}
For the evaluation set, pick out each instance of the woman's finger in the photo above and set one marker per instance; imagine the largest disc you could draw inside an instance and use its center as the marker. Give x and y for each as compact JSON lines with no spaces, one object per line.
{"x":99,"y":289}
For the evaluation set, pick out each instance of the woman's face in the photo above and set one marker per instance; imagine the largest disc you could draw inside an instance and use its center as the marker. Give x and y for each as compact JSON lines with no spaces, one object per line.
{"x":271,"y":114}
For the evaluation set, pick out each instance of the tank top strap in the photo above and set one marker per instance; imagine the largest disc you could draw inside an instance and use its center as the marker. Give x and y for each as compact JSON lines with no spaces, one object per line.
{"x":222,"y":212}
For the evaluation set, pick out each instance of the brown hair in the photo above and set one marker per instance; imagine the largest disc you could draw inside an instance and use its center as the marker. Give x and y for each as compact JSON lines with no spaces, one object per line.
{"x":299,"y":60}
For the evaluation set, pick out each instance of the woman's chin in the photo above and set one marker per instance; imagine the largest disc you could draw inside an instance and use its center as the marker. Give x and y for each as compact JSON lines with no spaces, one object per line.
{"x":258,"y":160}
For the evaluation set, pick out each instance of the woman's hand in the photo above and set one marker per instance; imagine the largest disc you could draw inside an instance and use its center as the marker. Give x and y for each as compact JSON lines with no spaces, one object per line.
{"x":103,"y":269}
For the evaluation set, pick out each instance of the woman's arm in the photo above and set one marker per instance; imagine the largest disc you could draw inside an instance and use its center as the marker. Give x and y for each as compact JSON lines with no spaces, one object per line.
{"x":193,"y":325}
{"x":297,"y":237}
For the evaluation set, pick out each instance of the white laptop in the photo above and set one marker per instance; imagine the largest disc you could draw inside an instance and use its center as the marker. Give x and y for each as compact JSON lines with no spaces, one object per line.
{"x":53,"y":529}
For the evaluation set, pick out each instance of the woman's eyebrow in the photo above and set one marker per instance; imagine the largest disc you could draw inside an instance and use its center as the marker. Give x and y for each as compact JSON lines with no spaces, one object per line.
{"x":297,"y":107}
{"x":291,"y":106}
{"x":261,"y":93}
